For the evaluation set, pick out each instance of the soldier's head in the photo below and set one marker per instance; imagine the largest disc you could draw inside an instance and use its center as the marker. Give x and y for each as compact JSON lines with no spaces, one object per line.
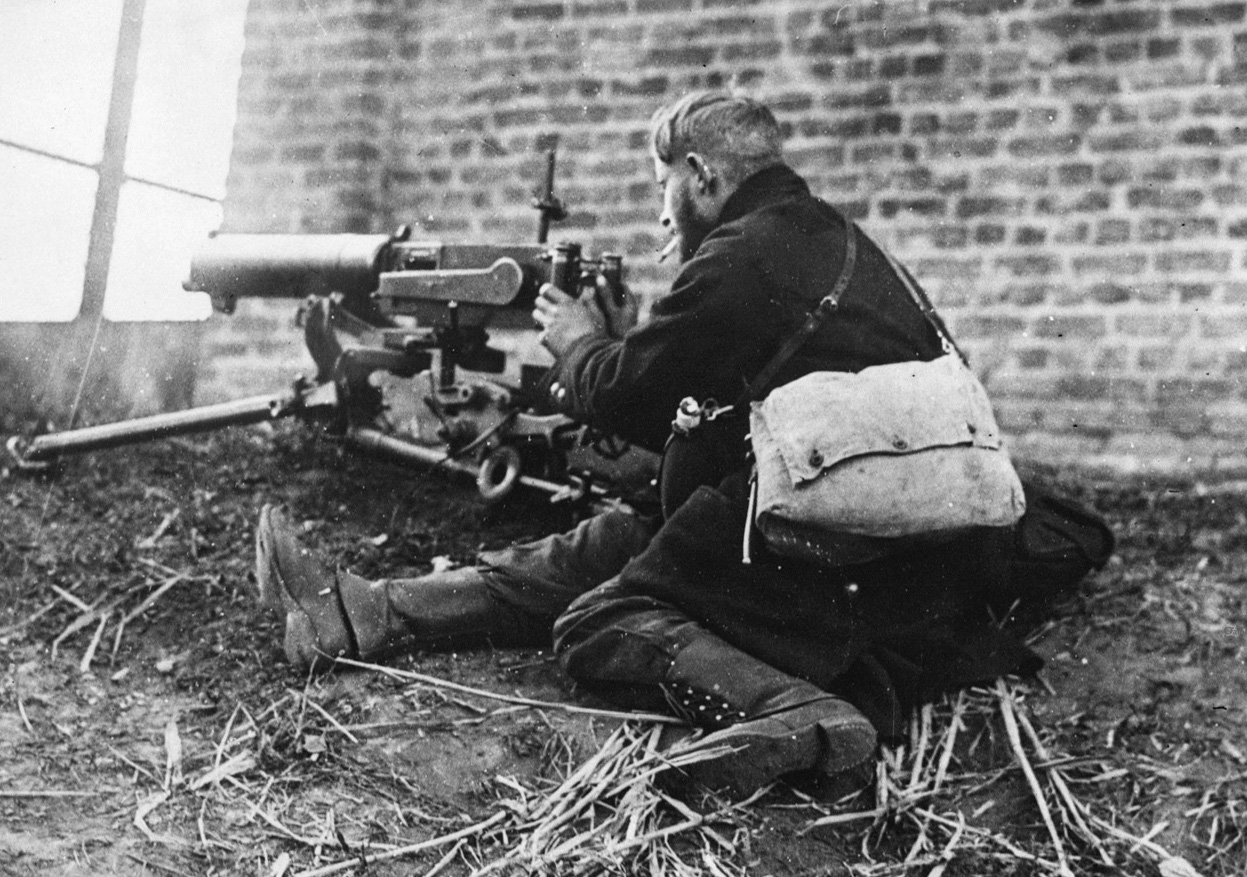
{"x":704,"y":146}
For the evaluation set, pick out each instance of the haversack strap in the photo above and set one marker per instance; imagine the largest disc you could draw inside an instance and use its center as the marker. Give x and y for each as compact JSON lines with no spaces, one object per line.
{"x":925,"y":305}
{"x":761,"y":383}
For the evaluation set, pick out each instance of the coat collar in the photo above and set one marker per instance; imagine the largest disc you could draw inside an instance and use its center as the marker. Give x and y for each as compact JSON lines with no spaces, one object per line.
{"x":769,"y":185}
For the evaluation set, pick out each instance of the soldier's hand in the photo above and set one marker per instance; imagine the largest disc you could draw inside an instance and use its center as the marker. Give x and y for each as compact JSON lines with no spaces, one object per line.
{"x":565,"y":320}
{"x":619,"y":306}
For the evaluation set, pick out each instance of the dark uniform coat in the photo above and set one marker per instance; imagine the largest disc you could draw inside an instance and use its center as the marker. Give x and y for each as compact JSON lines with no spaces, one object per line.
{"x":881,"y":633}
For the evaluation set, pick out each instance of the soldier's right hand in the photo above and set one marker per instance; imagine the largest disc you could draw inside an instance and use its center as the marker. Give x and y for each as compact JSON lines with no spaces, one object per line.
{"x":619,"y":306}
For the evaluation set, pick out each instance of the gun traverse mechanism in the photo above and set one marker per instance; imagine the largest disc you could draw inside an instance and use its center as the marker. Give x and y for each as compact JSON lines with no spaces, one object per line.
{"x":391,"y":324}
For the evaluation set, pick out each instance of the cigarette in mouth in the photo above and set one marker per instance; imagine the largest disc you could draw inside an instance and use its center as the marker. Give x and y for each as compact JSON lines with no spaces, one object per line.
{"x":669,"y":249}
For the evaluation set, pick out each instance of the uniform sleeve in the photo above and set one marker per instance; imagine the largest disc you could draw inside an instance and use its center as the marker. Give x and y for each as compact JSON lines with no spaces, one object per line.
{"x":690,"y":346}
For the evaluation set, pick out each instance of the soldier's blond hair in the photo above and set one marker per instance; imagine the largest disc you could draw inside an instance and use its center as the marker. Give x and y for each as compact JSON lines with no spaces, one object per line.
{"x":739,"y":132}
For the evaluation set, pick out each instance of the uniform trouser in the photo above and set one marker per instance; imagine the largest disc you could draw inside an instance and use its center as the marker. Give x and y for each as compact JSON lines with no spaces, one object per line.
{"x":623,"y":596}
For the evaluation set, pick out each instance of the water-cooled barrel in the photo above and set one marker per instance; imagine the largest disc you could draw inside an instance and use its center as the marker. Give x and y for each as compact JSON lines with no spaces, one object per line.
{"x":286,"y":265}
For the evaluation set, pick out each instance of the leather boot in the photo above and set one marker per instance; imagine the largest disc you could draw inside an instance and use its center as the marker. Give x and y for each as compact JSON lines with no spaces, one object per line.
{"x":774,"y":723}
{"x":335,"y":614}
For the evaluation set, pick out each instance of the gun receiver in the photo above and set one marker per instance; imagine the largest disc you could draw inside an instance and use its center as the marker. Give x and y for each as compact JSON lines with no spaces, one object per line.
{"x":388,"y":274}
{"x":391,"y":275}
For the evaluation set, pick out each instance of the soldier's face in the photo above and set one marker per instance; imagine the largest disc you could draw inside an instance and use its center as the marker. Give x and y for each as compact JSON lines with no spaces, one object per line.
{"x":683,"y":214}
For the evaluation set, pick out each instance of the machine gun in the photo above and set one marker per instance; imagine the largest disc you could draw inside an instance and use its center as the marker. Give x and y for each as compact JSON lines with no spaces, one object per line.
{"x":392,"y":325}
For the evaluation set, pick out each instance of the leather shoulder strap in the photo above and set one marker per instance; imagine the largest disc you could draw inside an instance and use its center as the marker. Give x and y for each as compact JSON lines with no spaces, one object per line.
{"x":760,"y":385}
{"x":924,"y":304}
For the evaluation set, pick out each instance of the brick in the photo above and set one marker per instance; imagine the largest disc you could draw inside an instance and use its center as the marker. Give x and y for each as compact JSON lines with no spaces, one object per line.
{"x":959,"y":147}
{"x":1189,"y":293}
{"x":924,"y":123}
{"x":1110,"y":293}
{"x":1180,"y":391}
{"x":889,"y":208}
{"x":1073,"y":232}
{"x":1156,"y":357}
{"x":1203,"y":167}
{"x":1029,"y":236}
{"x":989,"y":234}
{"x":1186,"y":262}
{"x":1038,"y":146}
{"x":1232,"y":195}
{"x":1210,"y":15}
{"x":304,"y":153}
{"x":893,"y":67}
{"x":645,"y":86}
{"x":1227,"y":418}
{"x":961,"y":122}
{"x":752,"y":51}
{"x":1126,"y":141}
{"x":1012,"y":175}
{"x":835,"y":43}
{"x":1153,"y":325}
{"x":974,"y":7}
{"x":1086,"y":202}
{"x":877,"y":95}
{"x":950,"y":237}
{"x":962,"y":64}
{"x":1116,"y":263}
{"x":1069,"y":25}
{"x":844,"y":128}
{"x":644,"y":6}
{"x":1083,"y":53}
{"x":971,"y":207}
{"x":1032,"y":358}
{"x":1200,"y":135}
{"x":1159,"y":48}
{"x":1113,"y":231}
{"x":886,"y":123}
{"x":957,"y":269}
{"x":1163,"y":109}
{"x":1151,"y":445}
{"x":1030,"y":294}
{"x":1075,"y":174}
{"x":1087,"y":84}
{"x":1029,"y":265}
{"x":1002,"y":120}
{"x":683,"y":56}
{"x":1148,"y":77}
{"x":1159,"y":198}
{"x":987,"y":326}
{"x":1230,"y":324}
{"x":1164,"y":171}
{"x":1120,"y":53}
{"x":1100,"y":387}
{"x":1113,"y":357}
{"x":596,"y":9}
{"x":1048,"y":448}
{"x":929,"y":65}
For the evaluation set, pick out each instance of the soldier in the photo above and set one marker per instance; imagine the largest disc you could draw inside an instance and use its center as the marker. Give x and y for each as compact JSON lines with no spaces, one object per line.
{"x":796,"y":667}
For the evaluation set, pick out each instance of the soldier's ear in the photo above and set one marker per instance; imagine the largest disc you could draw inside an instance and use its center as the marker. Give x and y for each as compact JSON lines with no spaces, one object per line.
{"x":701,"y":169}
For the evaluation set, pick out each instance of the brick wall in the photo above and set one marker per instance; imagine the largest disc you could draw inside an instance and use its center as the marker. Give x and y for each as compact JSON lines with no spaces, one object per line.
{"x":1068,"y":178}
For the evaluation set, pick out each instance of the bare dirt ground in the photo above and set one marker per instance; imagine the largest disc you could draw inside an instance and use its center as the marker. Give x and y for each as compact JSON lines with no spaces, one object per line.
{"x":149,"y":726}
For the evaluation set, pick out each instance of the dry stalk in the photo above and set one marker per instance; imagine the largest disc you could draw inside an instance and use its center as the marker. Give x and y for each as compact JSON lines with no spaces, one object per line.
{"x":84,"y":666}
{"x":1015,"y":740}
{"x":409,"y":675}
{"x":362,"y":859}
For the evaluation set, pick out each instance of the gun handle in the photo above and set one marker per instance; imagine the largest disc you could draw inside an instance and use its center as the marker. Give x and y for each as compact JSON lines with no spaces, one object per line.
{"x":565,"y":268}
{"x":612,"y":273}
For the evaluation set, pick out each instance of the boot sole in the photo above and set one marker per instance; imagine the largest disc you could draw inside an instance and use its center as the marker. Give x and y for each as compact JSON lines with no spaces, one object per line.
{"x":268,"y":580}
{"x":759,"y":758}
{"x":301,"y":642}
